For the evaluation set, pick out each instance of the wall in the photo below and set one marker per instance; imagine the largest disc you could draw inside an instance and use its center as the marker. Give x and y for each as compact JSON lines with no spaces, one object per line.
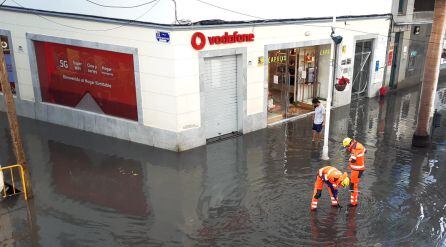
{"x":407,"y":14}
{"x":417,"y":51}
{"x":156,"y":65}
{"x":324,"y":72}
{"x":404,"y":54}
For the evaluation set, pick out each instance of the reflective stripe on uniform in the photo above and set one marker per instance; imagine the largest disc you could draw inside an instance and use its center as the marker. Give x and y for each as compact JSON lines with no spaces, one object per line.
{"x":361,"y":154}
{"x":356,"y":167}
{"x":353,"y":157}
{"x":331,"y":170}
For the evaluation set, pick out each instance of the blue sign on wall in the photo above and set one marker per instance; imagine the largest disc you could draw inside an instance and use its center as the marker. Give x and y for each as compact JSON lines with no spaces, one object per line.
{"x":377,"y":66}
{"x":163,"y":36}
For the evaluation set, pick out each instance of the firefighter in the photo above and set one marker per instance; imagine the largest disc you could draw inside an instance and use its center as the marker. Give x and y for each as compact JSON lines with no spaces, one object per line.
{"x":332,"y":178}
{"x":356,"y":165}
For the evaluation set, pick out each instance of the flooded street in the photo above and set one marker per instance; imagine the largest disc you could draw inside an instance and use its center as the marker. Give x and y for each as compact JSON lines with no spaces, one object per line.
{"x":254,"y":190}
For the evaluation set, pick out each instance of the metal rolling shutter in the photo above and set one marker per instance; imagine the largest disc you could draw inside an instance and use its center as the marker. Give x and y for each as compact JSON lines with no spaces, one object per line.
{"x":220,"y":90}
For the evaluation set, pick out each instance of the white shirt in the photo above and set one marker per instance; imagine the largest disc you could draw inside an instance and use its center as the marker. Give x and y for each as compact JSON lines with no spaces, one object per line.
{"x":319,"y":114}
{"x":1,"y":182}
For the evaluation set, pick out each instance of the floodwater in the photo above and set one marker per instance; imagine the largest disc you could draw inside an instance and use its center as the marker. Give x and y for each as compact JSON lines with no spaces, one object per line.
{"x":253,"y":190}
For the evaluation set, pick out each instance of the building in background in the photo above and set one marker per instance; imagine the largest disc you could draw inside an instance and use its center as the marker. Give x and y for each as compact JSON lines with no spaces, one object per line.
{"x":178,"y":83}
{"x":412,"y":24}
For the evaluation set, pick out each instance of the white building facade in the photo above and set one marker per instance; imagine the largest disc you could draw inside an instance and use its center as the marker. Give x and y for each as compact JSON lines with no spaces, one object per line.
{"x":177,"y":86}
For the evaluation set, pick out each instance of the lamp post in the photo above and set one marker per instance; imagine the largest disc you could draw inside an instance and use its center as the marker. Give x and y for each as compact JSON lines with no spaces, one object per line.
{"x":332,"y":77}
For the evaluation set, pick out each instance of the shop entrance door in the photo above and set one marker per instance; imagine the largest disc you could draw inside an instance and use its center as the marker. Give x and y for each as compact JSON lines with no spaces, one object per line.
{"x":220,"y":90}
{"x":361,"y":71}
{"x":393,"y":72}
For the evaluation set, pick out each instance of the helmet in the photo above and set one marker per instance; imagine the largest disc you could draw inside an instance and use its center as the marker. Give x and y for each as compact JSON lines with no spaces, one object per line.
{"x":346,"y":142}
{"x":345,"y":180}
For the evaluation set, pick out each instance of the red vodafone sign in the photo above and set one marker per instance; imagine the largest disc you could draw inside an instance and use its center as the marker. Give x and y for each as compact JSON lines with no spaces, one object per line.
{"x":199,"y":40}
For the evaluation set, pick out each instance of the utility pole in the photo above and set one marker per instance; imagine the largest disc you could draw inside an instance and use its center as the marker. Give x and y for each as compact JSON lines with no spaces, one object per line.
{"x":332,"y":76}
{"x":13,"y":121}
{"x":421,"y":136}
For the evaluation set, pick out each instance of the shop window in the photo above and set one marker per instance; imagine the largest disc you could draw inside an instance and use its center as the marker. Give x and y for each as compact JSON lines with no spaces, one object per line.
{"x":293,"y":80}
{"x":94,"y":80}
{"x":6,"y":45}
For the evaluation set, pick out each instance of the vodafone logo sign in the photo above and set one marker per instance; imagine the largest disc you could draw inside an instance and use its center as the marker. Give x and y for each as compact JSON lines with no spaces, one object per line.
{"x":199,"y":40}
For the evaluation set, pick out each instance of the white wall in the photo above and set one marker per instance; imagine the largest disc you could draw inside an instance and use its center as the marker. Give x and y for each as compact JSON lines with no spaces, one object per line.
{"x":323,"y":73}
{"x":163,"y":11}
{"x":267,"y":35}
{"x":156,"y":60}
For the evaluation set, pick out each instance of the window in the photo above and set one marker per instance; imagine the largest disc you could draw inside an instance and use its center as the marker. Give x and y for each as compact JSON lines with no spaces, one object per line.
{"x":402,"y":7}
{"x":424,"y":5}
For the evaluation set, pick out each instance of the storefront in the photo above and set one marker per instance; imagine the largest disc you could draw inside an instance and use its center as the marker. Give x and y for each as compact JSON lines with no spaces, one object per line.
{"x":180,"y":87}
{"x":295,"y":77}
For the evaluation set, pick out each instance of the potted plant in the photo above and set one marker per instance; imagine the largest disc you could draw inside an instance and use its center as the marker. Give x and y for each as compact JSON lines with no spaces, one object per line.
{"x":342,"y":84}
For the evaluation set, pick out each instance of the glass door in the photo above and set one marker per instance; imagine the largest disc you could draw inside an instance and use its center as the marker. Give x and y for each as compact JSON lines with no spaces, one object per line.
{"x":278,"y":82}
{"x":361,"y":71}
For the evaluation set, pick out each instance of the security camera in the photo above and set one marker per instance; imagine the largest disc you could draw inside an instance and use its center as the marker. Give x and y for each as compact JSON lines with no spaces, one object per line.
{"x":336,"y":39}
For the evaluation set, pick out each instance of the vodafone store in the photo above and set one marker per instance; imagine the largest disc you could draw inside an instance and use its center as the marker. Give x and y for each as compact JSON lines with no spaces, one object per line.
{"x":181,"y":86}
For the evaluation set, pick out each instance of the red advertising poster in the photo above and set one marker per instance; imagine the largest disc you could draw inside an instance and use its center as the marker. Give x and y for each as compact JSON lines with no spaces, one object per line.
{"x":390,"y":59}
{"x":89,"y":79}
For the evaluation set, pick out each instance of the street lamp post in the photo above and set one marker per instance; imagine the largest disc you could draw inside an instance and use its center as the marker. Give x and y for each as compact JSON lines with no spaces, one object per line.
{"x":332,"y":77}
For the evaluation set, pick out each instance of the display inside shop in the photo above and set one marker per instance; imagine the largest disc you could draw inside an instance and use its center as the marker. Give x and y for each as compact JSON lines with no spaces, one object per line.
{"x":90,"y":79}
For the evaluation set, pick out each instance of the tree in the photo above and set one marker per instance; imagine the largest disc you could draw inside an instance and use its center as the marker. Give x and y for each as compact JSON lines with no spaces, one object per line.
{"x":421,"y":137}
{"x":13,"y":122}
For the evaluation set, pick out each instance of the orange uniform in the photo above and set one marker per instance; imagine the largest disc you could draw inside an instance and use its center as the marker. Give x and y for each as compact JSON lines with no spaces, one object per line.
{"x":332,"y":178}
{"x":357,"y":166}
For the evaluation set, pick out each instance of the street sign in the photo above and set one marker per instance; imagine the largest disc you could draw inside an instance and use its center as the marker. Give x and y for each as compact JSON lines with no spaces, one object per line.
{"x":163,"y":37}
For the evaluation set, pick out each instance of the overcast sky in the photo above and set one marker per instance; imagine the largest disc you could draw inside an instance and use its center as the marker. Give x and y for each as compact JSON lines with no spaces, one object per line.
{"x":162,"y":11}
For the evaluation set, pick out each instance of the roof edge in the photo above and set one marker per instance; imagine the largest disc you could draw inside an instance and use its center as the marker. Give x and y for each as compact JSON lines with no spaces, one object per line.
{"x":195,"y":25}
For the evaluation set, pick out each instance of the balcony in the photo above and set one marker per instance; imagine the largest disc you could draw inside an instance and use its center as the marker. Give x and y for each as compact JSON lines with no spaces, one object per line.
{"x":423,"y":16}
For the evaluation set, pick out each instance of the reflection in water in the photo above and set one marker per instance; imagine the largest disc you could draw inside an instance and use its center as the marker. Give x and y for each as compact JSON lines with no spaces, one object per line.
{"x":112,"y":183}
{"x":224,"y":186}
{"x":253,"y":190}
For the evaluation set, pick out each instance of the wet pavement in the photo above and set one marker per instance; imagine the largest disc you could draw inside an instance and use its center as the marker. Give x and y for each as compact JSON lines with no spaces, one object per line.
{"x":254,"y":190}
